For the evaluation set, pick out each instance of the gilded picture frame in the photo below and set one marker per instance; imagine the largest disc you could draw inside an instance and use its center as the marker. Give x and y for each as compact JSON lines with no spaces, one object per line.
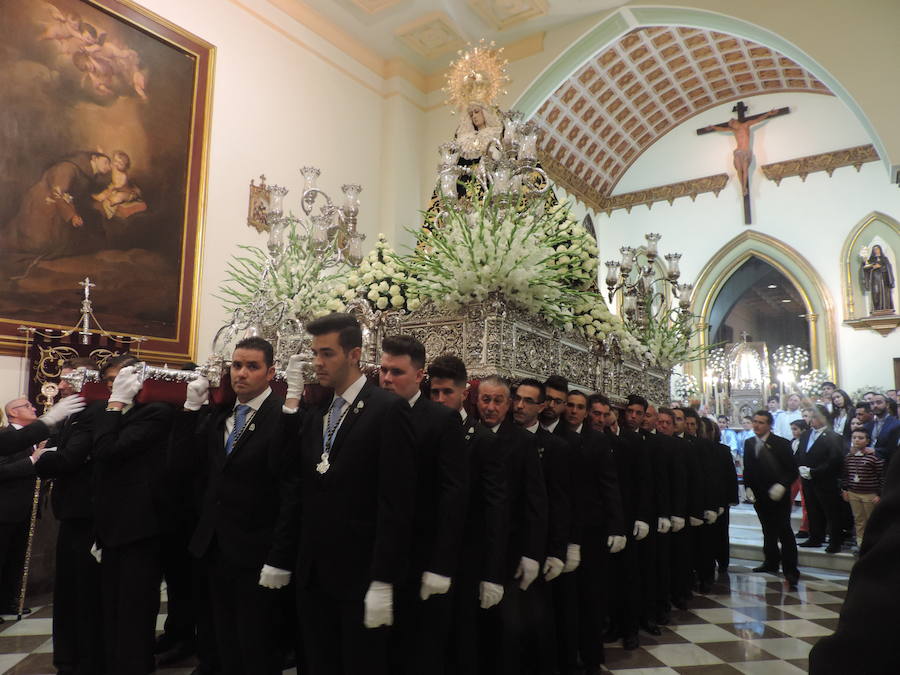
{"x":104,"y":141}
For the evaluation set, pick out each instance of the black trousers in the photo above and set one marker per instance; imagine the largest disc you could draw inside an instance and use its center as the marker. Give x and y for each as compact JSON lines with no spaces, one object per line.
{"x":335,"y":640}
{"x":130,"y":576}
{"x":564,"y":591}
{"x":178,"y":571}
{"x":516,"y":642}
{"x":592,"y":600}
{"x":625,"y":589}
{"x":681,"y":562}
{"x":420,"y":636}
{"x":721,"y":541}
{"x":703,"y":548}
{"x":466,"y":626}
{"x":775,"y":518}
{"x":13,"y":541}
{"x":823,"y":504}
{"x":663,"y":573}
{"x":77,"y":627}
{"x":245,"y":617}
{"x":647,"y":553}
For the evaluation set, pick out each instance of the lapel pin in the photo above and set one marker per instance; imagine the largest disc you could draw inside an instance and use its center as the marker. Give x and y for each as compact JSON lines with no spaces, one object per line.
{"x":359,"y":406}
{"x":252,"y":427}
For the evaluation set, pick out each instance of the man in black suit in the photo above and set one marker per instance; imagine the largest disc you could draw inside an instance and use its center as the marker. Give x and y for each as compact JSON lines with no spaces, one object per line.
{"x":482,"y":555}
{"x":820,"y":457}
{"x":635,"y":485}
{"x":884,"y":428}
{"x":131,"y":511}
{"x":357,"y":494}
{"x":602,"y":528}
{"x":423,"y":606}
{"x":769,"y":471}
{"x":247,"y":503}
{"x":670,"y":448}
{"x":77,"y":629}
{"x":19,"y":442}
{"x":513,"y":626}
{"x":527,"y":401}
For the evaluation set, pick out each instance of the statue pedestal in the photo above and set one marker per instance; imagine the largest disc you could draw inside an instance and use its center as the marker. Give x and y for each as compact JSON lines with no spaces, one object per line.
{"x":497,"y":337}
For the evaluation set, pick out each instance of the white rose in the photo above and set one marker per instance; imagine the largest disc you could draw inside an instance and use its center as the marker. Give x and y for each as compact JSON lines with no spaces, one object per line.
{"x":335,"y":305}
{"x":394,"y":290}
{"x":589,"y":329}
{"x":381,"y":303}
{"x":384,"y":286}
{"x":372,"y":295}
{"x":413,"y":304}
{"x":368,"y":278}
{"x":397,"y":301}
{"x":349,"y":295}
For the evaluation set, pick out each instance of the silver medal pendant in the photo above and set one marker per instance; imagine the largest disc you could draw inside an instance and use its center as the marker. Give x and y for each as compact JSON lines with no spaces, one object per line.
{"x":323,"y":466}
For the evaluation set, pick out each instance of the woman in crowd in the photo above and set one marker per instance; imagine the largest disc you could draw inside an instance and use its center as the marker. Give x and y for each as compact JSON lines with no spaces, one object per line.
{"x":841,"y":414}
{"x":798,"y":427}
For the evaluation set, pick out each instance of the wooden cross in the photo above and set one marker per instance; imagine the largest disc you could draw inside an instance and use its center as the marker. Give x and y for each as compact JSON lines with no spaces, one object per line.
{"x":743,"y":153}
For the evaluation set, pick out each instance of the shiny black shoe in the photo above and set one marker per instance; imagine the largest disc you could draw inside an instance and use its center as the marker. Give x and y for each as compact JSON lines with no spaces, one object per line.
{"x":650,"y":627}
{"x":630,"y":642}
{"x":792,"y":581}
{"x":765,"y":568}
{"x":810,"y":543}
{"x":611,"y":636}
{"x":664,"y":618}
{"x":802,"y":534}
{"x":833,"y":549}
{"x":14,"y":611}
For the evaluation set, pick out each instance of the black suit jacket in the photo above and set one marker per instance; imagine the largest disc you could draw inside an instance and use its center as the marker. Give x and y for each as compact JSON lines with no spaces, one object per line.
{"x":486,"y":534}
{"x":774,"y":465}
{"x":131,"y":502}
{"x":442,"y":467}
{"x":554,"y":454}
{"x":247,"y":495}
{"x":659,"y":480}
{"x":71,"y":465}
{"x":865,"y":640}
{"x":700,"y":491}
{"x":886,"y":443}
{"x":357,"y":517}
{"x":673,"y":450}
{"x":17,"y":470}
{"x":527,"y":494}
{"x":573,"y":441}
{"x":598,"y":488}
{"x":825,"y":458}
{"x":727,"y":475}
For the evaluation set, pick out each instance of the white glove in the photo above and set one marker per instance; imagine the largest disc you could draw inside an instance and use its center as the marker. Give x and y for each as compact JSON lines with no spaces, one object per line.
{"x":379,"y":604}
{"x":293,"y":375}
{"x":615,"y":542}
{"x":695,"y":522}
{"x":776,"y":492}
{"x":641,"y":529}
{"x":197,"y":393}
{"x":710,"y":516}
{"x":96,"y":552}
{"x":489,"y":594}
{"x":721,"y":510}
{"x":432,"y":584}
{"x":527,"y":572}
{"x":677,"y":523}
{"x":62,"y":409}
{"x":573,"y":558}
{"x":663,"y":525}
{"x":750,"y":496}
{"x":553,"y":567}
{"x":805,"y":472}
{"x":274,"y":577}
{"x":125,"y":386}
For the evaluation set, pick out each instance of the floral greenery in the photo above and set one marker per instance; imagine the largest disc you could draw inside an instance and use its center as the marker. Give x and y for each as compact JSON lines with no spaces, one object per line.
{"x":299,"y":279}
{"x":857,"y":394}
{"x":380,"y":279}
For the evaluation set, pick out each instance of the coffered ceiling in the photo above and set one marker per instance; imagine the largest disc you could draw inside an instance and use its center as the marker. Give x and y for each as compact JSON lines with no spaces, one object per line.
{"x":599,"y":121}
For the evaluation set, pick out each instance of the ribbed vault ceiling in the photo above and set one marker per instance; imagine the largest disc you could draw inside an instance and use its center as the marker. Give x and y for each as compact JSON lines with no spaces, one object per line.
{"x":600,"y":120}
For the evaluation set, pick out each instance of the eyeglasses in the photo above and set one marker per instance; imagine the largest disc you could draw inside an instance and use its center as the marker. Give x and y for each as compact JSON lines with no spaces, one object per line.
{"x":23,"y":405}
{"x":556,"y":401}
{"x":525,"y":399}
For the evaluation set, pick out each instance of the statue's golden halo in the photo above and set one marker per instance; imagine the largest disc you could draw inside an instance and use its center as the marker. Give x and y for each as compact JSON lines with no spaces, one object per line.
{"x":479,"y":74}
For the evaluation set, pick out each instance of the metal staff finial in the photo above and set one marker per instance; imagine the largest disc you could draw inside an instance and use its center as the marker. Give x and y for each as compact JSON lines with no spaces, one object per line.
{"x":86,"y":309}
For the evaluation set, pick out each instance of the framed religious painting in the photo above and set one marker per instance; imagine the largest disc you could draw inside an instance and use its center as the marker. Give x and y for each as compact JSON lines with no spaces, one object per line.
{"x":104,"y":126}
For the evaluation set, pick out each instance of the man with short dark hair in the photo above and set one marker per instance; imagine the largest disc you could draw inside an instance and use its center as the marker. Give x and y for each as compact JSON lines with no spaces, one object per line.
{"x":769,"y":471}
{"x":820,"y":456}
{"x":239,"y":457}
{"x":132,"y":508}
{"x":602,"y":527}
{"x":479,"y":580}
{"x":513,"y":626}
{"x":423,"y":608}
{"x":357,"y":495}
{"x":884,"y":428}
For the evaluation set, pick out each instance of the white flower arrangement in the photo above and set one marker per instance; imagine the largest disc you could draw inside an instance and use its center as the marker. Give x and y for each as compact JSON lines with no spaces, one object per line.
{"x":380,"y":279}
{"x":810,"y":384}
{"x":299,"y":279}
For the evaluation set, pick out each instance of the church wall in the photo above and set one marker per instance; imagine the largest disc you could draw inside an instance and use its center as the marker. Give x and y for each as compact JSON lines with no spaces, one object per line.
{"x":813,"y":217}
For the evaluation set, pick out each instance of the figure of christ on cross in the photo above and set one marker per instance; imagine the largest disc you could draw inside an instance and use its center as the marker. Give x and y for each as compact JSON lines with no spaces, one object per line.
{"x":743,"y":153}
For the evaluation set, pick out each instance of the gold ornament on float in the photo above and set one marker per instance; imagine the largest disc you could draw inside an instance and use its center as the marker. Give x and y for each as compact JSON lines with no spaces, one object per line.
{"x":478,"y":75}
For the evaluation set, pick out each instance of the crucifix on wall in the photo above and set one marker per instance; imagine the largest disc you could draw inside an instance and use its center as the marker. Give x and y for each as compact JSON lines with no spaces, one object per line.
{"x":743,"y":153}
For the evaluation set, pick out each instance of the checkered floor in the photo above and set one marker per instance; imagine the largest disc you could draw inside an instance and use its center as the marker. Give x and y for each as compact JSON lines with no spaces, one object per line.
{"x":751,"y":624}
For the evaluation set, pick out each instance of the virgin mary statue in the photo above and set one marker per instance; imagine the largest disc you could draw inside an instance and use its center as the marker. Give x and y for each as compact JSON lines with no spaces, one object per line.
{"x":878,"y":279}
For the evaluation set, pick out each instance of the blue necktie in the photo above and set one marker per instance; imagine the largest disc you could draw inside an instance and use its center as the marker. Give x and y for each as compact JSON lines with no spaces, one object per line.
{"x":240,"y":417}
{"x":333,"y":420}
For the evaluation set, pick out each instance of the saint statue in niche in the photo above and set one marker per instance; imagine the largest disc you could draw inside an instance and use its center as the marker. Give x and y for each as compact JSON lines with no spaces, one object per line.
{"x":878,"y":279}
